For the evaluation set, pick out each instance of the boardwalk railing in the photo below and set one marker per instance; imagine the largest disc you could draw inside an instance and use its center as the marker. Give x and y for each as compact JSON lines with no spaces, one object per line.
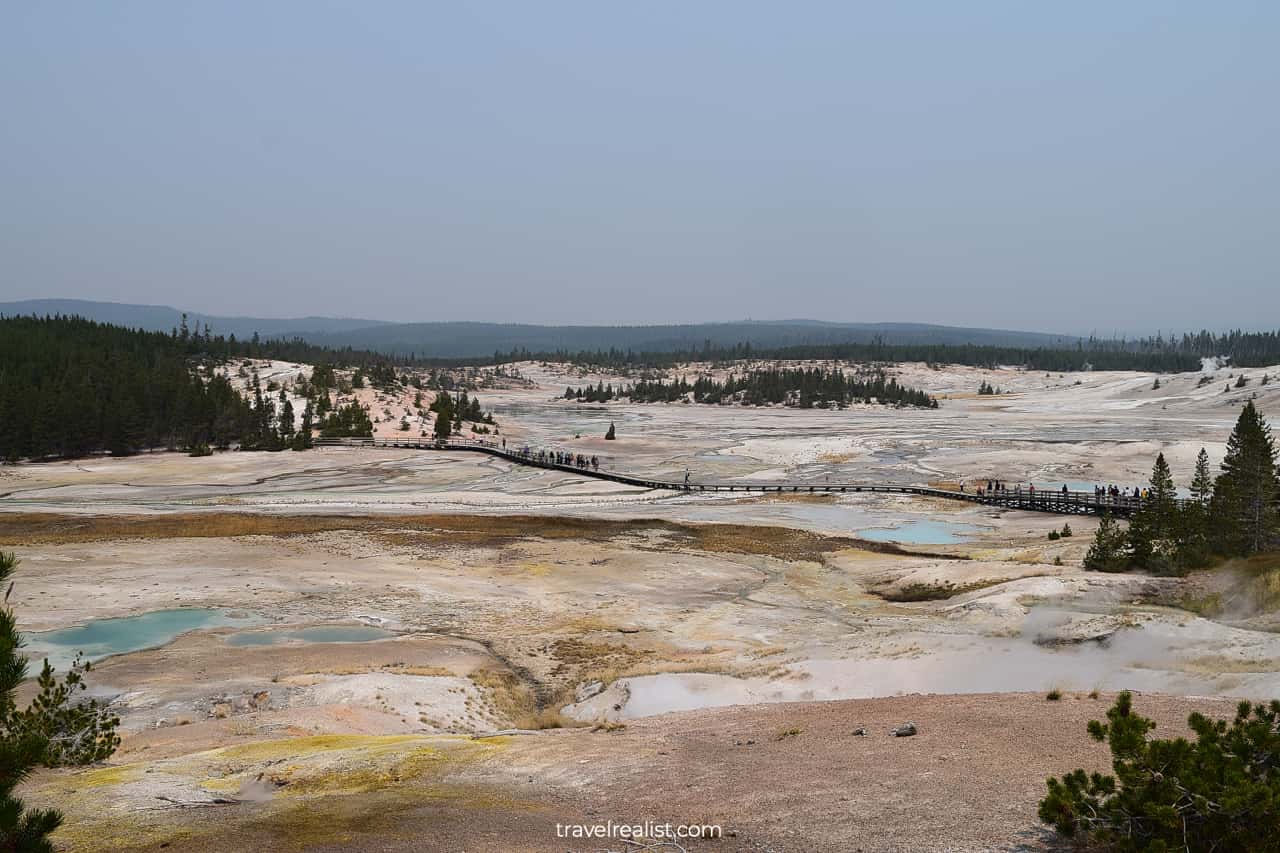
{"x":1059,"y":502}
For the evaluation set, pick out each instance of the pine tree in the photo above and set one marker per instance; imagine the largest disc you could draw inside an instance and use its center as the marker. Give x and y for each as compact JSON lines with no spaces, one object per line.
{"x":54,"y":730}
{"x":285,"y":420}
{"x":443,"y":426}
{"x":1243,"y":509}
{"x":612,"y":434}
{"x":255,"y":437}
{"x":1193,"y":539}
{"x":443,"y":408}
{"x":1108,"y":551}
{"x":1202,"y":480}
{"x":302,"y":440}
{"x":349,"y":420}
{"x":1153,"y":530}
{"x":1216,"y":791}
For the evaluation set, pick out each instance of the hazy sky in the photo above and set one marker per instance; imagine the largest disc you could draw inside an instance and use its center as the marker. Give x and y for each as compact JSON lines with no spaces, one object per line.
{"x":1068,"y":166}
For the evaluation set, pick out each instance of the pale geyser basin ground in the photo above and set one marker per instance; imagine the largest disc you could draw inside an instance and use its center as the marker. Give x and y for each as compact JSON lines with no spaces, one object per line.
{"x":1049,"y":428}
{"x":496,"y":621}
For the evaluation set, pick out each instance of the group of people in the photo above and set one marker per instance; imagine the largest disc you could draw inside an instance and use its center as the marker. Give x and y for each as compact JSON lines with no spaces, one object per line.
{"x":560,"y":457}
{"x":1115,"y":493}
{"x":549,"y":457}
{"x":1112,"y":493}
{"x":998,"y":487}
{"x":992,"y":487}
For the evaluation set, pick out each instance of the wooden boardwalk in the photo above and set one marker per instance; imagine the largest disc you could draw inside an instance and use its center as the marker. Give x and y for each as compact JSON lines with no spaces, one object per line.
{"x":1057,"y":502}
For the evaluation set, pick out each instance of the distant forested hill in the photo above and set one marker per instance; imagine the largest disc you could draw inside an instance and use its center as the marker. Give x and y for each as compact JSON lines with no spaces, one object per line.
{"x":472,"y":340}
{"x":162,"y":318}
{"x":365,"y":341}
{"x":463,"y":340}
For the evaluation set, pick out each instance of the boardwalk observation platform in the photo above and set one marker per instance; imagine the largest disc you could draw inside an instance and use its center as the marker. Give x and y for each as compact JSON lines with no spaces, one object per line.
{"x":1040,"y":500}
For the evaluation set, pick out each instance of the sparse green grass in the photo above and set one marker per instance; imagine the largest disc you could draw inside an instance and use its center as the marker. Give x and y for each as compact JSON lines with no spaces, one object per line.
{"x":1243,"y":586}
{"x":608,"y":726}
{"x":932,"y":591}
{"x":1263,"y":580}
{"x":1207,"y":605}
{"x":430,"y":529}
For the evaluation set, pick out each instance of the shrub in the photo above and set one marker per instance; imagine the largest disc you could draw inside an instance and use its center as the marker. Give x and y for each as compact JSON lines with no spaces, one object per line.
{"x":1067,"y":532}
{"x":1219,"y":792}
{"x":1108,"y":551}
{"x":1054,"y":536}
{"x":1053,"y":695}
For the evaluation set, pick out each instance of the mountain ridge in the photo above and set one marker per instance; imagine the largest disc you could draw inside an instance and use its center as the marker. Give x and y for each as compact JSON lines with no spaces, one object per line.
{"x":471,"y":338}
